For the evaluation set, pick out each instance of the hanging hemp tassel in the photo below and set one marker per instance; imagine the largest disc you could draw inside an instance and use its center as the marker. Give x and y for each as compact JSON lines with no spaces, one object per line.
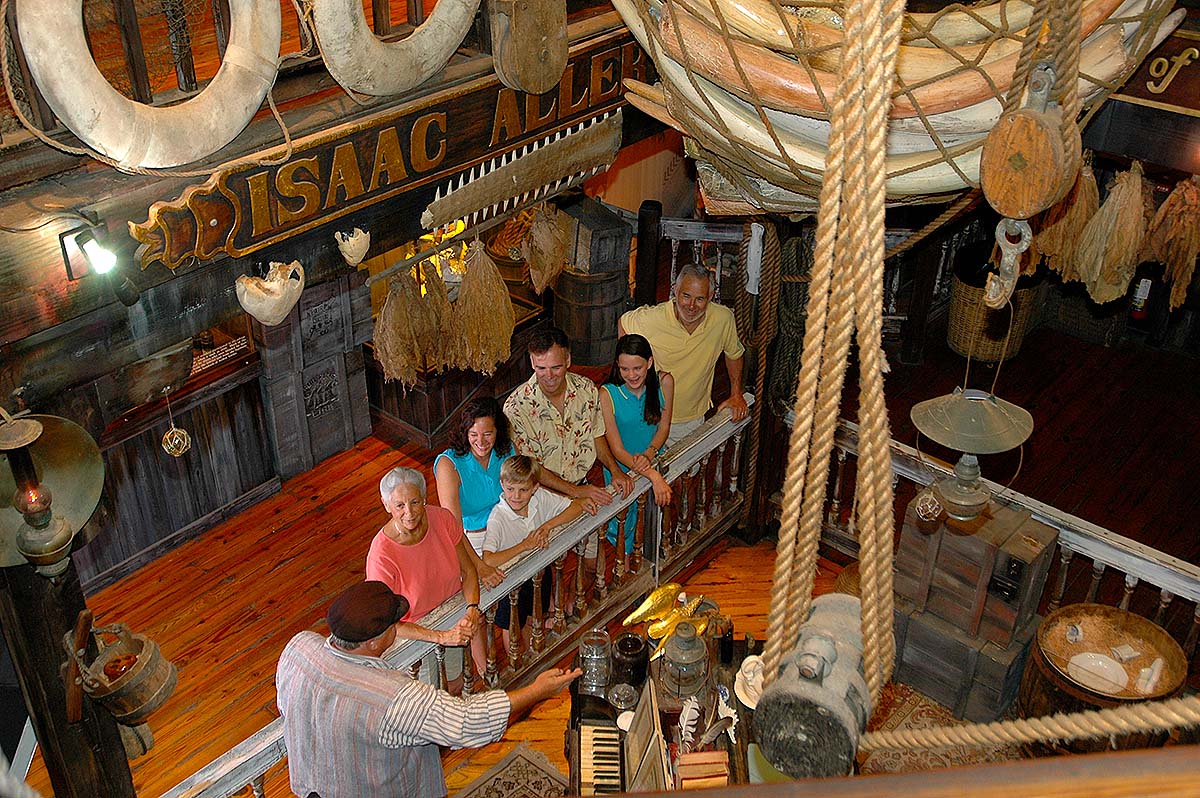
{"x":1109,"y":245}
{"x":1062,"y":225}
{"x":484,"y":312}
{"x":444,"y":348}
{"x":545,"y":250}
{"x":1175,"y":236}
{"x":400,"y":331}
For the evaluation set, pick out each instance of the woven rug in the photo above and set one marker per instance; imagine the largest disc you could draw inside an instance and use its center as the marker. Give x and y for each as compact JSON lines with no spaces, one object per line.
{"x":902,"y":707}
{"x":524,"y":773}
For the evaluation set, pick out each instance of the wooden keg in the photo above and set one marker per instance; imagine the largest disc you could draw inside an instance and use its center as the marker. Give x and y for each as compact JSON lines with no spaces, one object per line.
{"x":586,"y":308}
{"x":1080,"y":633}
{"x":130,"y":677}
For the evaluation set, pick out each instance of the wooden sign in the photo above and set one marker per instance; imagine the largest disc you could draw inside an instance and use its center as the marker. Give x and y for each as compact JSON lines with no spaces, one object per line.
{"x":1169,"y":78}
{"x":248,"y":206}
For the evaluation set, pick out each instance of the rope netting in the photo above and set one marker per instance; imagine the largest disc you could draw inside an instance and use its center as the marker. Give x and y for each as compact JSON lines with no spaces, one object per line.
{"x":751,"y":82}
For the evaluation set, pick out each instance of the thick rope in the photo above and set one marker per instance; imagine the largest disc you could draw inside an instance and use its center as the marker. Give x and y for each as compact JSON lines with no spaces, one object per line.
{"x":1146,"y":716}
{"x":848,"y":254}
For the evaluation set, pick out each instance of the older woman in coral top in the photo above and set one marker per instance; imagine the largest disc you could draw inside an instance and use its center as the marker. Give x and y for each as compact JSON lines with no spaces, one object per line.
{"x":422,"y":554}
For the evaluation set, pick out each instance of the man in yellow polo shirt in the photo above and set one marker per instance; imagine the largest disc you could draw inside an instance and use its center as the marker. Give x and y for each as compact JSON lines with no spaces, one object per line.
{"x":688,"y":333}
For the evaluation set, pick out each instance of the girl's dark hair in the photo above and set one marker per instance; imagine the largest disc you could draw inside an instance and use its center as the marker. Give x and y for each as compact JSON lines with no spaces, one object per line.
{"x":633,"y":344}
{"x":484,"y":407}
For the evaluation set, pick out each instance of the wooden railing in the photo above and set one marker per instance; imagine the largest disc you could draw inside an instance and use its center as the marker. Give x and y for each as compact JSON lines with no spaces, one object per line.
{"x":703,"y":471}
{"x":1173,"y":579}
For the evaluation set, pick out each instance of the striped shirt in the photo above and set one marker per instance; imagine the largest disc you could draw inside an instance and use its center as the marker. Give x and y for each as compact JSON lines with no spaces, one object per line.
{"x":420,"y":713}
{"x":356,"y":728}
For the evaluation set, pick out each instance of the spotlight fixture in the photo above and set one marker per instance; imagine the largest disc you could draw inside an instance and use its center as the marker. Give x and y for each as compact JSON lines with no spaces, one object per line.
{"x":973,"y":422}
{"x":99,"y":257}
{"x":84,"y":252}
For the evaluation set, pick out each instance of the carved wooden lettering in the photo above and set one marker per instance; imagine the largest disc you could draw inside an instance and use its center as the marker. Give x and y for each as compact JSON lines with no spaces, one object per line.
{"x":330,"y":174}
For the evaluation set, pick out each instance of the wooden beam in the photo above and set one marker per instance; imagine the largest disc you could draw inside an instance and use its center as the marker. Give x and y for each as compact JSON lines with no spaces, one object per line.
{"x":135,"y":54}
{"x":84,"y":759}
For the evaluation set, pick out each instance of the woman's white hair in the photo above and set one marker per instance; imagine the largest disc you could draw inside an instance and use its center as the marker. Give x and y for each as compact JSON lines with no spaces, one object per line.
{"x":401,"y":476}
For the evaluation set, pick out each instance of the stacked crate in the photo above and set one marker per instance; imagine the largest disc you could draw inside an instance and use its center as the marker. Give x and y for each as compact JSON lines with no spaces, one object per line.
{"x":967,"y":595}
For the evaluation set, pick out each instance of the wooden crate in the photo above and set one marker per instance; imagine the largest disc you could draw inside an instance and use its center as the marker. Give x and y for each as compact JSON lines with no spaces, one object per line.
{"x":973,"y":678}
{"x":599,"y":239}
{"x":984,"y":576}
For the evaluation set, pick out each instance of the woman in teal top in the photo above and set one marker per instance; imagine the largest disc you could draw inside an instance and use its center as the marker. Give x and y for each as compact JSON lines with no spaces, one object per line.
{"x":636,"y":403}
{"x":468,"y":473}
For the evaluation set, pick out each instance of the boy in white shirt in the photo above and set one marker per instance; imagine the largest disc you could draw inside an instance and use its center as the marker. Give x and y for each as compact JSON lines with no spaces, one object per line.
{"x":522,"y":521}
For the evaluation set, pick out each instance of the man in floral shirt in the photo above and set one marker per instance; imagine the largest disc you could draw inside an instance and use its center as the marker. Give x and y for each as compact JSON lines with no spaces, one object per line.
{"x":555,"y":419}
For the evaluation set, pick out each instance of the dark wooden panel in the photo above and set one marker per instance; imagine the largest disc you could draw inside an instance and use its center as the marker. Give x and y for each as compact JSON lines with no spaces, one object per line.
{"x":162,"y":500}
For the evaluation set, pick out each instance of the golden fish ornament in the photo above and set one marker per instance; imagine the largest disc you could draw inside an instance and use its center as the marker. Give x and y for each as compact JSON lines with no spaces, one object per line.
{"x":660,"y":602}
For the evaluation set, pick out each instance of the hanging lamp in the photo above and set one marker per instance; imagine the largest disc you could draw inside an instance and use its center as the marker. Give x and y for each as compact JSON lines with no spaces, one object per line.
{"x":973,"y":422}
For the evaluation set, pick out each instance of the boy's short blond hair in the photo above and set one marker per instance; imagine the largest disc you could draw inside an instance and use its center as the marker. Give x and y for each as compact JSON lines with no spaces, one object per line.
{"x":519,"y":469}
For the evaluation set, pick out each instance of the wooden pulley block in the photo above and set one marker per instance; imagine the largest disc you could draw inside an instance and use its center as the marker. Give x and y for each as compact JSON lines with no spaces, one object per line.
{"x":1024,"y":167}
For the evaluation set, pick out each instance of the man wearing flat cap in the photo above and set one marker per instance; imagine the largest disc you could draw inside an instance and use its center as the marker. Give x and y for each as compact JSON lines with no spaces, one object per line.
{"x":354,"y":726}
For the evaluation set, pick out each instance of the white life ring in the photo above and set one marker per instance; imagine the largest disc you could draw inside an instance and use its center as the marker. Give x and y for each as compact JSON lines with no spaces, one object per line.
{"x":360,"y":62}
{"x":138,"y":135}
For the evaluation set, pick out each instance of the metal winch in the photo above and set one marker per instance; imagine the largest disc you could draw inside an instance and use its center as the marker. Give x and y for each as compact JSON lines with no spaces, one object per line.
{"x":809,"y":719}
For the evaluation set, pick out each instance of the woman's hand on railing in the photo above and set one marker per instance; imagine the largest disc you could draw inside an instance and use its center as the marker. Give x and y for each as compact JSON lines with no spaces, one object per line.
{"x":489,"y":575}
{"x":460,"y":633}
{"x":662,"y":489}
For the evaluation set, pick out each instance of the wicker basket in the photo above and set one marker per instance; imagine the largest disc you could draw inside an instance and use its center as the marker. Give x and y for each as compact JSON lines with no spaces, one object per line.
{"x":973,"y":321}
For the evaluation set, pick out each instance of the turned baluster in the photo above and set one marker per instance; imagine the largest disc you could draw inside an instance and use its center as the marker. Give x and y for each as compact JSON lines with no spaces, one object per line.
{"x":619,"y":566}
{"x":1131,"y":583}
{"x":1189,"y":645}
{"x":560,"y":618}
{"x":440,"y":680}
{"x":601,"y":578}
{"x":537,"y":639}
{"x":258,"y":785}
{"x":735,"y":468}
{"x":639,"y":533}
{"x":666,"y":538}
{"x":727,"y":473}
{"x":492,"y":674}
{"x":834,"y":516}
{"x":580,"y":598}
{"x":1164,"y":601}
{"x":1097,"y":575}
{"x":709,"y":508}
{"x":415,"y":669}
{"x":1060,"y":586}
{"x":514,"y":629}
{"x":712,"y":488}
{"x":468,"y":685}
{"x":689,"y":528}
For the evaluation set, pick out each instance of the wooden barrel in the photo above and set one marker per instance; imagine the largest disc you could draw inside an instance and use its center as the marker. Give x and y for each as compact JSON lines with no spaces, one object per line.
{"x":586,"y":308}
{"x":1048,"y":687}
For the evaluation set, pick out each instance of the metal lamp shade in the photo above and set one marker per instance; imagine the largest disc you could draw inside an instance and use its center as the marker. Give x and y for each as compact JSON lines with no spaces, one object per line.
{"x":973,"y":421}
